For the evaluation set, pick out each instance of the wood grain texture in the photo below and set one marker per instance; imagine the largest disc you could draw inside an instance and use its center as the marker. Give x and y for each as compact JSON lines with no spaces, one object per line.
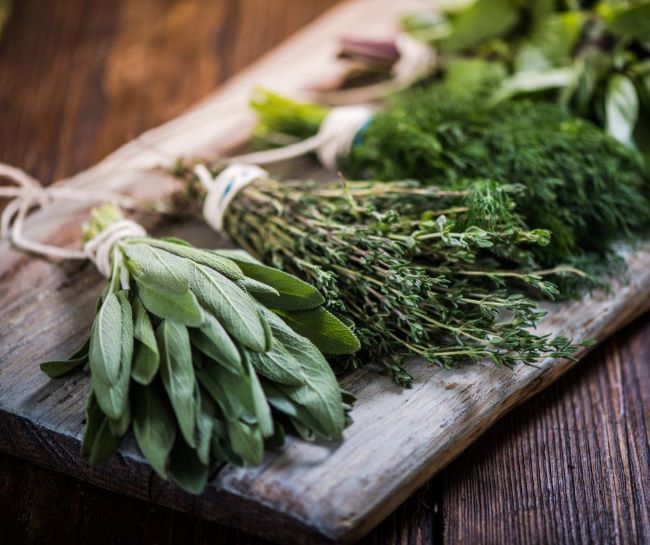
{"x":34,"y":442}
{"x":35,"y":500}
{"x":571,"y":466}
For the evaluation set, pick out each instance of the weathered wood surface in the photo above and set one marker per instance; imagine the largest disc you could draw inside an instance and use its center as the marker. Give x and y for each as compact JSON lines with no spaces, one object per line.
{"x":50,"y":434}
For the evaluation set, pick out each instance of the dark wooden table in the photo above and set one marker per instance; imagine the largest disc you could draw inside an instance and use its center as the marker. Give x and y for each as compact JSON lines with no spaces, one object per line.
{"x":78,"y":78}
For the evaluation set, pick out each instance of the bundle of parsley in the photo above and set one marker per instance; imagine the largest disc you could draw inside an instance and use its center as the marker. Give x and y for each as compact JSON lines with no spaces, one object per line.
{"x":440,"y":274}
{"x":591,"y":57}
{"x":206,"y":356}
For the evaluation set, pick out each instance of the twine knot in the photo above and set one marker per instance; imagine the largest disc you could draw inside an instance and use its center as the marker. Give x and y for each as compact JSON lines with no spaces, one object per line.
{"x":223,"y":188}
{"x":99,"y":249}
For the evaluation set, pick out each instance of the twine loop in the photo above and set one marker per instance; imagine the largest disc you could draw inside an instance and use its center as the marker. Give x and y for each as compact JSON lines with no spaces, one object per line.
{"x":415,"y":61}
{"x":332,"y":142}
{"x":223,"y":188}
{"x":28,"y":194}
{"x":99,"y":249}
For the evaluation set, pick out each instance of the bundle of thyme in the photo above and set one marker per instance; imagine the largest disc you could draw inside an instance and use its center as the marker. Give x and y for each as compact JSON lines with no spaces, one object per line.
{"x":205,"y":356}
{"x":440,"y":274}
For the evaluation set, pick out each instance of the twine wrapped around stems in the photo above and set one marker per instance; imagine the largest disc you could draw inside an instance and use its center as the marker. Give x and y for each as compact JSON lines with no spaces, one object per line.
{"x":28,"y":194}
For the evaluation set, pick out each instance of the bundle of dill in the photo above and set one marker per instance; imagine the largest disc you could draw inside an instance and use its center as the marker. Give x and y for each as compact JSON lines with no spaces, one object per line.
{"x":576,"y":181}
{"x":441,"y":274}
{"x":587,"y":189}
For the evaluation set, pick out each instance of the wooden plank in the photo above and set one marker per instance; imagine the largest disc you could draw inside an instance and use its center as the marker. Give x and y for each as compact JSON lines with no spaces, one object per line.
{"x":570,"y":466}
{"x":35,"y":500}
{"x":306,"y":492}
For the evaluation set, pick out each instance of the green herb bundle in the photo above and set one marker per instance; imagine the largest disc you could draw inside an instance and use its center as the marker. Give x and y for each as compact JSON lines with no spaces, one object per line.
{"x":208,"y":356}
{"x":439,"y":274}
{"x":587,"y":189}
{"x":591,"y":57}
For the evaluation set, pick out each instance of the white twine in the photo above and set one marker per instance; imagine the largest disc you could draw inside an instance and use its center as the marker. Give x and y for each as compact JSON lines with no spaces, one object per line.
{"x":28,"y":194}
{"x":332,"y":142}
{"x":223,"y":189}
{"x":98,"y":249}
{"x":416,"y":60}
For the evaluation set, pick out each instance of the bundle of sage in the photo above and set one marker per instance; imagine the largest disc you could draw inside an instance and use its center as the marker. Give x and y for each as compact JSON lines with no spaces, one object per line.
{"x":207,"y":355}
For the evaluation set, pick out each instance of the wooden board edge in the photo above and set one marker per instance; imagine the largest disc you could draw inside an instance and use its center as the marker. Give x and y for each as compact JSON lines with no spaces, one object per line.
{"x":344,"y":532}
{"x":60,"y":452}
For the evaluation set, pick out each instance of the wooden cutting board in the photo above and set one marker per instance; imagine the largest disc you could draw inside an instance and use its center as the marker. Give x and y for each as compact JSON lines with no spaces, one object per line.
{"x":306,"y":492}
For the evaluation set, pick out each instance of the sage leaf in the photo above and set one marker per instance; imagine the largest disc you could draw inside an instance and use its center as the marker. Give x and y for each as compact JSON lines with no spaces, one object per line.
{"x":301,"y":419}
{"x":204,"y":425}
{"x":621,"y":108}
{"x":104,"y":352}
{"x":146,"y":359}
{"x":175,"y":240}
{"x":177,"y":374}
{"x":262,"y":408}
{"x":294,"y":294}
{"x":162,"y":269}
{"x":98,"y":443}
{"x":305,"y":432}
{"x":58,"y":368}
{"x":216,"y":262}
{"x":279,"y":400}
{"x":246,"y":441}
{"x":94,"y":419}
{"x":186,"y":468}
{"x":232,"y":306}
{"x":104,"y":445}
{"x":278,"y":365}
{"x":220,"y":445}
{"x":112,"y":396}
{"x":326,"y":331}
{"x":268,"y":335}
{"x":233,"y":393}
{"x":179,"y":307}
{"x":206,"y":346}
{"x":126,"y":344}
{"x":154,"y":426}
{"x":210,"y":383}
{"x":320,"y":394}
{"x":213,"y":340}
{"x":119,"y":426}
{"x":255,"y":287}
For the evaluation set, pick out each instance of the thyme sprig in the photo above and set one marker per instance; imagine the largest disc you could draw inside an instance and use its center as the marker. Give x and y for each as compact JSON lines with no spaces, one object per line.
{"x":421,"y":271}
